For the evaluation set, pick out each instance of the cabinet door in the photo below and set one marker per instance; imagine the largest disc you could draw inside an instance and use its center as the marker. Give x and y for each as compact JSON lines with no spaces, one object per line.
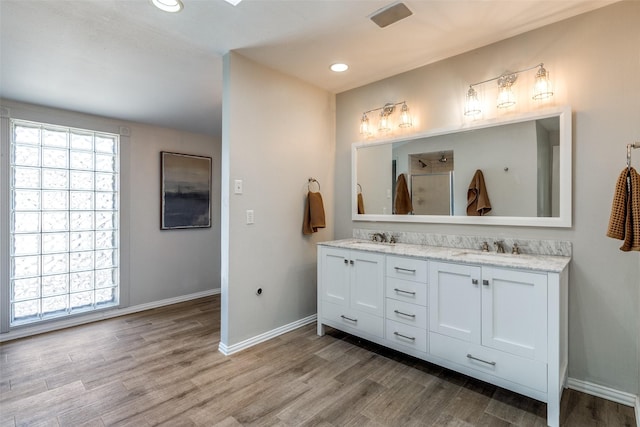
{"x":367,"y":282}
{"x":454,"y":300}
{"x":335,"y":276}
{"x":514,"y":312}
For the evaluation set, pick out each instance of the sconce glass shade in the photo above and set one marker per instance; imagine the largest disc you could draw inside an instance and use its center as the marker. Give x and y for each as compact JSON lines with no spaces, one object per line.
{"x":365,"y":128}
{"x":472,"y":106}
{"x":506,"y":98}
{"x":385,"y":123}
{"x":405,"y":117}
{"x":542,"y":86}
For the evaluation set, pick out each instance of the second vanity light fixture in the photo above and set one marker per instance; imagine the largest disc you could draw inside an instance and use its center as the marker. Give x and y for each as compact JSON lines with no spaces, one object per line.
{"x":506,"y":98}
{"x":385,"y":119}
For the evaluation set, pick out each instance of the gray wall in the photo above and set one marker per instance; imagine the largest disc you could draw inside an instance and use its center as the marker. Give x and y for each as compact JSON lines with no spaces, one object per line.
{"x":595,"y":67}
{"x":277,"y":133}
{"x":155,"y":265}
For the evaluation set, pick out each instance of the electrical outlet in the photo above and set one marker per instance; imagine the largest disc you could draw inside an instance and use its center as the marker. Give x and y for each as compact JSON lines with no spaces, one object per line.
{"x":237,"y":186}
{"x":250,"y":218}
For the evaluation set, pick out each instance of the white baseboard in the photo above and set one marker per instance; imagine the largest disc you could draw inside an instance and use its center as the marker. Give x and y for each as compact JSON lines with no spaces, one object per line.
{"x":234,"y":348}
{"x":621,"y":397}
{"x":99,"y":315}
{"x":638,"y":411}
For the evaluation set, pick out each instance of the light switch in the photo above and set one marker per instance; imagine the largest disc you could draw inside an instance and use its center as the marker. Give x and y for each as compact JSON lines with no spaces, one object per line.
{"x":250,"y":218}
{"x":237,"y":186}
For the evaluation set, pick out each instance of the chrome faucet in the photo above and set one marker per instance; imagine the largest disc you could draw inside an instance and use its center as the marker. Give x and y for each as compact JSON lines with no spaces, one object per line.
{"x":485,"y":247}
{"x":379,"y":237}
{"x":516,"y":249}
{"x":499,"y":246}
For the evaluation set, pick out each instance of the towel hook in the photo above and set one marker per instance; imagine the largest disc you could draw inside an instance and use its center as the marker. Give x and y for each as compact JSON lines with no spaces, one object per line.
{"x":312,"y":180}
{"x":629,"y":147}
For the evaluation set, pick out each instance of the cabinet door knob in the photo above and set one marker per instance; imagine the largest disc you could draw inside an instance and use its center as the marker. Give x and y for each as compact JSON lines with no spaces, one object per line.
{"x":474,"y":281}
{"x":351,"y":262}
{"x":346,"y":261}
{"x":485,"y":282}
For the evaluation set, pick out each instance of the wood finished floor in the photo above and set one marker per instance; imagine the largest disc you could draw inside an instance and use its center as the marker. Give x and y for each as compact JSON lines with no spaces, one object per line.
{"x":162,"y":367}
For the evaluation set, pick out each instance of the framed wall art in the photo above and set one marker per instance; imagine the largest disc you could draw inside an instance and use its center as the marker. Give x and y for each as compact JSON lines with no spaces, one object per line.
{"x":185,"y":191}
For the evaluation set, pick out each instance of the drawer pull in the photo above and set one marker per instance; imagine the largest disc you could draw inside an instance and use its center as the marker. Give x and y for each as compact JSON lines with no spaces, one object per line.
{"x":406,"y":270}
{"x":480,"y":360}
{"x":398,"y":334}
{"x":404,"y":314}
{"x":349,"y":318}
{"x":474,"y":281}
{"x":404,"y":292}
{"x":485,"y":282}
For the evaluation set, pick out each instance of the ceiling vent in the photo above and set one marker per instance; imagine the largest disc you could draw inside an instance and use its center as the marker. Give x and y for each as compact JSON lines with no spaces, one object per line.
{"x":390,"y":14}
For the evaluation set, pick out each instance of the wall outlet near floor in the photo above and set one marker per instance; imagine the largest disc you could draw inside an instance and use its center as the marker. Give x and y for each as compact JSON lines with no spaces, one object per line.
{"x":250,"y":217}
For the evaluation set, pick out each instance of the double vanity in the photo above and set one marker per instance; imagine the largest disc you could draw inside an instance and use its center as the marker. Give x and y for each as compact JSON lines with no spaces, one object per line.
{"x":501,"y":318}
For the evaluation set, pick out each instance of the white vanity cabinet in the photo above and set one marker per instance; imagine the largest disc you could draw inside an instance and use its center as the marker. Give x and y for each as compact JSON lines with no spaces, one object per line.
{"x":498,"y":308}
{"x":504,"y":325}
{"x":351,"y":291}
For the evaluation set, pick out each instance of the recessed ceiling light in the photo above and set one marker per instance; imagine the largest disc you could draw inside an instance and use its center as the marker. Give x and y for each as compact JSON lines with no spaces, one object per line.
{"x":233,"y":2}
{"x":168,"y":5}
{"x":339,"y":67}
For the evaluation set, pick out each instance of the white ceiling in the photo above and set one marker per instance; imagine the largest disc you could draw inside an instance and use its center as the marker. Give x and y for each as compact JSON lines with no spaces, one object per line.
{"x":128,"y":60}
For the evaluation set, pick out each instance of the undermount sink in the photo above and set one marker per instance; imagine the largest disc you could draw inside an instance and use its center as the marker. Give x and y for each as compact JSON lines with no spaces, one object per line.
{"x":490,"y":257}
{"x":370,"y":245}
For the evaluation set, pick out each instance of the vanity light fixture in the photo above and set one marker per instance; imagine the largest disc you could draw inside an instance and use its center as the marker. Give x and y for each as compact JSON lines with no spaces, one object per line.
{"x":172,"y":6}
{"x":385,"y":122}
{"x":506,"y":97}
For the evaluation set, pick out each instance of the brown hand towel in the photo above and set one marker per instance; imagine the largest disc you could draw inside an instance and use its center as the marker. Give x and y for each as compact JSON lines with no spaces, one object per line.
{"x":624,"y":222}
{"x":313,"y":213}
{"x":478,"y":203}
{"x":402,"y":203}
{"x":360,"y":204}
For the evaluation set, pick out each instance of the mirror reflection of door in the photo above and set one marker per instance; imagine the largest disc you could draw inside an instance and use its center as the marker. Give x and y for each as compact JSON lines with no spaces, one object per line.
{"x":431,"y":194}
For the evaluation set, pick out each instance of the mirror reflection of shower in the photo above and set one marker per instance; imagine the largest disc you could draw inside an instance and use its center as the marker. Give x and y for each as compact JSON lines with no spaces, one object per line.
{"x":431,"y":182}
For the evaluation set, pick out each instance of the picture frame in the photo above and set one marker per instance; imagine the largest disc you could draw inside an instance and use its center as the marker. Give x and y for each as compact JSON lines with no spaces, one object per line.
{"x":185,"y":191}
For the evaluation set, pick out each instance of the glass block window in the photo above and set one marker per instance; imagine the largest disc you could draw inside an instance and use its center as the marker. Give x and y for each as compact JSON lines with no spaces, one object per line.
{"x":63,"y":221}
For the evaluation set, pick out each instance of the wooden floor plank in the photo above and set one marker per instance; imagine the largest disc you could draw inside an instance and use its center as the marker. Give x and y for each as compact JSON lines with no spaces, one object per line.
{"x":161,"y":367}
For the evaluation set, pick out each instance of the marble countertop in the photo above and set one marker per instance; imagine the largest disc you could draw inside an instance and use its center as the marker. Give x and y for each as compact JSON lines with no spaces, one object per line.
{"x":545,"y":263}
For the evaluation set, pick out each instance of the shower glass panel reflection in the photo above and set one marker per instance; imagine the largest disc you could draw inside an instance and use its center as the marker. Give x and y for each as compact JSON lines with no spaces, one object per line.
{"x":432,"y":194}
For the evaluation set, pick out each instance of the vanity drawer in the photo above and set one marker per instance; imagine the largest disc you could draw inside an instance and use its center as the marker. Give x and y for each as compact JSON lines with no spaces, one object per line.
{"x":406,"y":336}
{"x":526,"y":372}
{"x":407,"y":268}
{"x":407,"y":291}
{"x":348,"y":319}
{"x":407,"y":313}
